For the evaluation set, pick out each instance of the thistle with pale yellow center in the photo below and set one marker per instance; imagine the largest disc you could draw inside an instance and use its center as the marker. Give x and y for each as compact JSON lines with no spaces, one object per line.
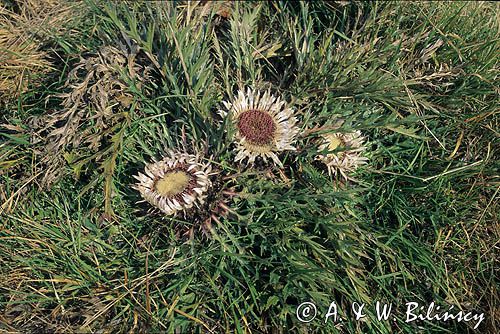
{"x":178,"y":182}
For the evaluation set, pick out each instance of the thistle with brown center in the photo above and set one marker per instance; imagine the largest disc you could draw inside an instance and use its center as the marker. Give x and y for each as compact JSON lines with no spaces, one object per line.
{"x":342,"y":153}
{"x":176,"y":183}
{"x":264,"y":126}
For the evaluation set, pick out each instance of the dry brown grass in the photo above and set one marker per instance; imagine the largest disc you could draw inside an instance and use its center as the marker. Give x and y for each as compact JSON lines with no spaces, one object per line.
{"x":24,"y":29}
{"x":21,"y":59}
{"x":46,"y":18}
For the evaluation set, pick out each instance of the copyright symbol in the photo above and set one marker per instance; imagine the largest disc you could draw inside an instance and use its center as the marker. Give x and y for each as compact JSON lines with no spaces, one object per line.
{"x":306,"y":312}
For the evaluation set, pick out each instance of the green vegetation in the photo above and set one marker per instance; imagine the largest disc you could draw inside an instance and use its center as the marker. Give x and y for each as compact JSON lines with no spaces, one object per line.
{"x":79,"y":252}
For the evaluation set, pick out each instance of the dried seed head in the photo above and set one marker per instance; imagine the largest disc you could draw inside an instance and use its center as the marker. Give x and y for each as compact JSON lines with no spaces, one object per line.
{"x":258,"y":127}
{"x":264,"y":126}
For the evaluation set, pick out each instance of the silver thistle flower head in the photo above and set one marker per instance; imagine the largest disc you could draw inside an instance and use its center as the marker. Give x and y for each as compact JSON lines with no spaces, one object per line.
{"x":347,"y":157}
{"x":176,"y":183}
{"x":264,"y":126}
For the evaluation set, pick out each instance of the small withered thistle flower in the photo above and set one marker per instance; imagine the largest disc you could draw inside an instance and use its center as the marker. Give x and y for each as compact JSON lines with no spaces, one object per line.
{"x":347,"y":157}
{"x":176,"y":183}
{"x":264,"y":126}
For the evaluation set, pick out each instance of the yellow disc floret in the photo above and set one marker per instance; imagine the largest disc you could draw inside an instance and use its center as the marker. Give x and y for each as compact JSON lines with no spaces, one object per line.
{"x":333,"y":142}
{"x":172,"y":183}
